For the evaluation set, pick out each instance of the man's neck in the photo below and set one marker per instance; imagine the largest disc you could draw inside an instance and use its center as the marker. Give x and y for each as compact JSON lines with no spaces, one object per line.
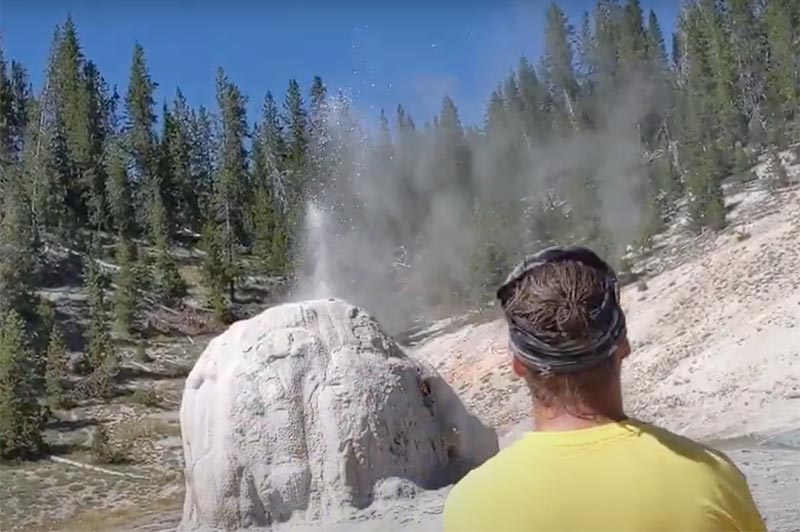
{"x":554,"y":419}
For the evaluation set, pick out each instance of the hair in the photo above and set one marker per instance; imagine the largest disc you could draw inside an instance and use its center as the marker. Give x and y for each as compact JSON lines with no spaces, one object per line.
{"x":559,"y":298}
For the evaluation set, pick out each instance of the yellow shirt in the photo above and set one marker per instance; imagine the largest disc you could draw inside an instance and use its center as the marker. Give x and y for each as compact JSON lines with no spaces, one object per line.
{"x":619,"y":476}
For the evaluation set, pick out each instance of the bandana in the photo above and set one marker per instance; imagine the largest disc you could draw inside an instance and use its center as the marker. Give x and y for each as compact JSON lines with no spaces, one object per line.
{"x":551,"y":352}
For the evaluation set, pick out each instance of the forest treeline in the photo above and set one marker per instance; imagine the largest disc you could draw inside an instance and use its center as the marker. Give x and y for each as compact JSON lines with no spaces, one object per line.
{"x":111,"y":175}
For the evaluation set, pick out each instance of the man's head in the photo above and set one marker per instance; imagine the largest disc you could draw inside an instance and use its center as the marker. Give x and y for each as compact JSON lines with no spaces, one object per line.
{"x":566,"y":328}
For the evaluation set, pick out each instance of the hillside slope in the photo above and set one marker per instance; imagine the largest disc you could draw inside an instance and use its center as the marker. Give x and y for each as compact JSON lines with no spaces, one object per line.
{"x":715,"y":330}
{"x":720,"y":333}
{"x":717,"y":340}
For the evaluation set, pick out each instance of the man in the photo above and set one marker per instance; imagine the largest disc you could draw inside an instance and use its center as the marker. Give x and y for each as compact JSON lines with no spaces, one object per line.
{"x":587,"y":466}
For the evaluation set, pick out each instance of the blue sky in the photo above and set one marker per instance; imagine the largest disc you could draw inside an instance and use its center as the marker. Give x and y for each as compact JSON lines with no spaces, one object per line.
{"x":381,"y":53}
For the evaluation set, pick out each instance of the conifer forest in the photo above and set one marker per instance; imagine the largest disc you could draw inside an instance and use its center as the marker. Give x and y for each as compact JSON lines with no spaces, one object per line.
{"x":168,"y":216}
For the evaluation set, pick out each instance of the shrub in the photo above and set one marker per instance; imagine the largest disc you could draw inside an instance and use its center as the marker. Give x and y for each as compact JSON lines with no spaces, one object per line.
{"x":102,"y":451}
{"x":146,"y":397}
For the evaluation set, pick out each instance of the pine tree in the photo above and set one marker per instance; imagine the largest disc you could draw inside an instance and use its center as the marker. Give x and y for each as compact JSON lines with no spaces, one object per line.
{"x":706,"y":205}
{"x":72,"y":100}
{"x":45,"y":160}
{"x":406,"y":148}
{"x":510,"y":131}
{"x":632,"y":40}
{"x":40,"y":339}
{"x":54,"y":173}
{"x":105,"y":377}
{"x":99,"y":346}
{"x":119,"y":192}
{"x":274,"y":151}
{"x":558,"y":70}
{"x":605,"y":52}
{"x":703,"y":160}
{"x":55,"y":390}
{"x":202,"y":157}
{"x":580,"y":190}
{"x":584,"y":48}
{"x":729,"y":120}
{"x":19,"y":253}
{"x":265,"y":224}
{"x":318,"y":95}
{"x":533,"y":101}
{"x":22,"y":106}
{"x":140,"y":116}
{"x":214,"y":272}
{"x":165,"y":184}
{"x":268,"y":158}
{"x":495,"y":115}
{"x":748,"y":48}
{"x":21,"y":417}
{"x":676,"y":53}
{"x":490,"y":261}
{"x":279,"y":259}
{"x":319,"y":136}
{"x":178,"y":152}
{"x":46,"y":315}
{"x":296,"y":127}
{"x":143,"y":270}
{"x":405,"y":123}
{"x":654,"y":125}
{"x":231,"y":178}
{"x":125,"y":296}
{"x":783,"y":73}
{"x":167,"y":281}
{"x":99,"y":107}
{"x":514,"y":107}
{"x":452,"y":168}
{"x":6,"y":115}
{"x":162,"y":194}
{"x":656,"y":49}
{"x":141,"y":142}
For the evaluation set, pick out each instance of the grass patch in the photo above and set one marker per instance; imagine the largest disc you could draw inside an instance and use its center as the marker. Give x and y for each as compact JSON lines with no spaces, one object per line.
{"x":146,"y":397}
{"x":128,"y":432}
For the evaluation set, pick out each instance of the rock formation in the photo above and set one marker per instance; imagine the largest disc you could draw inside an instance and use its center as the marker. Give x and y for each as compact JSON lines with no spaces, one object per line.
{"x":302,"y":412}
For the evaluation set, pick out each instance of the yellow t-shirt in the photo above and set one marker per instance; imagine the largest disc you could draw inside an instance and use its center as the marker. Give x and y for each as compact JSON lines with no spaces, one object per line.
{"x":619,"y":476}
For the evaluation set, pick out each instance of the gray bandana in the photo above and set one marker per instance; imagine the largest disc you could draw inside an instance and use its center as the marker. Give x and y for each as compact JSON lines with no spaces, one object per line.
{"x":551,"y":352}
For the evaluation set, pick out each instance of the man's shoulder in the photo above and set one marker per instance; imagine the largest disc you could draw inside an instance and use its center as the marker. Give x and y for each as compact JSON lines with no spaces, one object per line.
{"x":715,"y":471}
{"x":685,"y":448}
{"x":673,"y":439}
